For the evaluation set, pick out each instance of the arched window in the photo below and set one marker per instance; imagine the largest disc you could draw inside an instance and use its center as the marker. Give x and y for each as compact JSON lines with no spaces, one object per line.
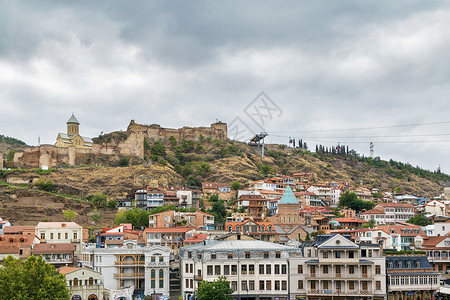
{"x":75,"y":282}
{"x":91,"y":281}
{"x":153,"y":278}
{"x":237,"y":228}
{"x":230,"y":228}
{"x":161,"y":278}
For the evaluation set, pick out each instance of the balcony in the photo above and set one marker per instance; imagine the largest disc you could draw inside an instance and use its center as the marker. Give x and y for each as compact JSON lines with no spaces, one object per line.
{"x":339,"y":292}
{"x":198,"y":277}
{"x":332,"y":275}
{"x":129,"y":275}
{"x":130,"y":263}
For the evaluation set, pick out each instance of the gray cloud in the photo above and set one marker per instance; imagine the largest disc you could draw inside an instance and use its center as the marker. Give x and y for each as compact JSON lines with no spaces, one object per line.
{"x":327,"y":64}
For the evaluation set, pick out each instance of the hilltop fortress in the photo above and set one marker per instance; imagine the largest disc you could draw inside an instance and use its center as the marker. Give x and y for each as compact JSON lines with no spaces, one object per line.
{"x":109,"y":147}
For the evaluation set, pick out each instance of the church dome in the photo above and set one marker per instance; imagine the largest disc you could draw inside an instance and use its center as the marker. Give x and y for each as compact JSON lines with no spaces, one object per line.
{"x":73,"y":120}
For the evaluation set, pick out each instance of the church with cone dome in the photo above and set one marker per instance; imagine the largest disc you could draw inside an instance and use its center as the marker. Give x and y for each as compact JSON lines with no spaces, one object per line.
{"x":73,"y":137}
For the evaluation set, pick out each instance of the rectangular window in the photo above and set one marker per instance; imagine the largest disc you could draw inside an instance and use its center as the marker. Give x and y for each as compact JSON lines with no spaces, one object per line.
{"x":217,"y":270}
{"x":351,"y":285}
{"x":244,"y":286}
{"x":247,"y":254}
{"x":268,"y":285}
{"x":283,"y":269}
{"x":313,"y":285}
{"x":266,"y":254}
{"x":337,"y":254}
{"x":351,"y":269}
{"x":59,"y":235}
{"x":199,"y":256}
{"x":364,"y":271}
{"x":300,"y":284}
{"x":233,"y":269}
{"x":325,"y":254}
{"x":300,"y":269}
{"x":42,"y":235}
{"x":378,"y":285}
{"x":261,"y":285}
{"x":338,"y":285}
{"x":209,"y":270}
{"x":325,"y":285}
{"x":243,"y":269}
{"x":284,"y":285}
{"x":313,"y":271}
{"x":338,"y":271}
{"x":251,"y":285}
{"x":230,"y":255}
{"x":234,"y":285}
{"x":277,"y":269}
{"x":261,"y":269}
{"x":189,"y":254}
{"x":191,"y":267}
{"x":351,"y":254}
{"x":51,"y":235}
{"x":364,"y":285}
{"x":277,"y":285}
{"x":75,"y":236}
{"x":277,"y":254}
{"x":213,"y":256}
{"x":268,"y":269}
{"x":66,"y":236}
{"x":370,"y":253}
{"x":187,"y":268}
{"x":251,"y":269}
{"x":226,"y":270}
{"x":325,"y":269}
{"x":377,"y":269}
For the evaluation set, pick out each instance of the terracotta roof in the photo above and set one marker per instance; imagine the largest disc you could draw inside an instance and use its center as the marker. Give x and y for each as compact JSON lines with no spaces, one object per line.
{"x":396,"y":205}
{"x":18,"y":229}
{"x":9,"y":249}
{"x":168,"y":229}
{"x":203,"y":213}
{"x":349,"y":220}
{"x":65,"y":270}
{"x":197,"y":238}
{"x":19,"y":239}
{"x":398,"y":229}
{"x":373,"y":212}
{"x":432,"y":241}
{"x":57,"y":225}
{"x":53,"y":248}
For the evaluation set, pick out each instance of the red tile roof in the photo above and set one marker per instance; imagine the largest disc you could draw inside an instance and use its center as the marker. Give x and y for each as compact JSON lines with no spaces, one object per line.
{"x":53,"y":248}
{"x":65,"y":270}
{"x":168,"y":229}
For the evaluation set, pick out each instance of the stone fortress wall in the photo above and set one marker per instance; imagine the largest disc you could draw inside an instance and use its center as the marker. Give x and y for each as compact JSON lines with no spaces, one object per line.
{"x":133,"y":145}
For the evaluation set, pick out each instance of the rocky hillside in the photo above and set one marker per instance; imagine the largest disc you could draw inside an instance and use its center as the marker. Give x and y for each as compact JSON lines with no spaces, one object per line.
{"x":188,"y":162}
{"x":8,"y":143}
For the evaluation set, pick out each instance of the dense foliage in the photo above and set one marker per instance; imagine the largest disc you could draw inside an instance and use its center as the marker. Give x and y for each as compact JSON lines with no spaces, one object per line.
{"x":11,"y":141}
{"x":217,"y":290}
{"x":351,"y":200}
{"x":32,"y":279}
{"x":419,"y":220}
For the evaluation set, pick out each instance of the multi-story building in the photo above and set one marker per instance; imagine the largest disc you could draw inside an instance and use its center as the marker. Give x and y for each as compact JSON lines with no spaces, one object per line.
{"x":411,"y":276}
{"x":438,"y":252}
{"x":172,"y":237}
{"x":389,"y":213}
{"x":438,"y":208}
{"x":255,"y":269}
{"x":62,"y":232}
{"x":336,"y":268}
{"x":58,"y":254}
{"x":172,"y":218}
{"x":83,"y":283}
{"x":437,"y":229}
{"x":145,"y":268}
{"x":149,"y":197}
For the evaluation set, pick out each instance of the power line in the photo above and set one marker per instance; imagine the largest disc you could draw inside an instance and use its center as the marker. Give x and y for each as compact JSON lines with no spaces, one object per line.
{"x":366,"y":128}
{"x":367,"y":136}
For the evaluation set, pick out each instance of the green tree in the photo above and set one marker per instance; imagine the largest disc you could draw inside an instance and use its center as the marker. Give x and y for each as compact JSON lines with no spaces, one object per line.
{"x":265,"y":169}
{"x":419,"y":220}
{"x":351,"y":200}
{"x":69,"y":214}
{"x":146,"y":145}
{"x":44,"y":185}
{"x":98,"y":199}
{"x":124,"y":161}
{"x":158,"y":149}
{"x":32,"y":279}
{"x":112,"y":203}
{"x":137,"y":217}
{"x":219,"y":211}
{"x":10,"y":155}
{"x":172,"y":141}
{"x":217,"y":290}
{"x":236,"y":185}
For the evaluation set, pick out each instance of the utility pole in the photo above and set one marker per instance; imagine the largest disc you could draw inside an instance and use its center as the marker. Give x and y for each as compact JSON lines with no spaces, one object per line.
{"x":371,"y":149}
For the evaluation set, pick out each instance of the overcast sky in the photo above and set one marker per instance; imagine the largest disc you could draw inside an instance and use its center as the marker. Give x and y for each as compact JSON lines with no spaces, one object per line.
{"x":323,"y":65}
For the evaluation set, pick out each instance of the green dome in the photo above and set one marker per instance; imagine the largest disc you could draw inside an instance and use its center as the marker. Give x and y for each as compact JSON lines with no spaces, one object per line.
{"x":288,"y":197}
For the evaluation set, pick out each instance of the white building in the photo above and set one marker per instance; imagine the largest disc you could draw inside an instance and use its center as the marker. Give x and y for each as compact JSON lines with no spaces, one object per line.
{"x":438,"y":208}
{"x":437,"y":229}
{"x":255,"y":269}
{"x":83,"y":283}
{"x":335,"y":267}
{"x":145,"y":268}
{"x":389,"y":213}
{"x":61,"y":232}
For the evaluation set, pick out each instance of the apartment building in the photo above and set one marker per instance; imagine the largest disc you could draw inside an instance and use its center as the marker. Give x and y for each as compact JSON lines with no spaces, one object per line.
{"x":389,"y":213}
{"x":255,"y":269}
{"x":335,"y":267}
{"x":145,"y":268}
{"x":62,"y":232}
